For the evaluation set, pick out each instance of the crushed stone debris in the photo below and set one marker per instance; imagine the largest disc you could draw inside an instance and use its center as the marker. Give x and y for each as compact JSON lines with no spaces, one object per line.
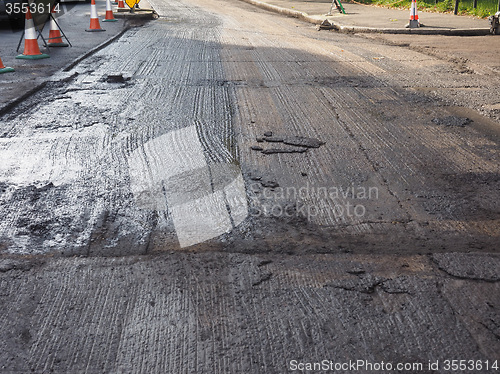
{"x":115,"y":78}
{"x":256,"y":148}
{"x":356,"y":271}
{"x":269,"y":184}
{"x":274,"y":139}
{"x":298,"y":141}
{"x":301,"y":141}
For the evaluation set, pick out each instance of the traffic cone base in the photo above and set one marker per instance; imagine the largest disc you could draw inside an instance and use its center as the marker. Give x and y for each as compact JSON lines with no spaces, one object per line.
{"x":414,"y":22}
{"x":58,"y":44}
{"x":5,"y":69}
{"x":31,"y":49}
{"x":32,"y":57}
{"x":56,"y":37}
{"x":109,"y":17}
{"x":94,"y":25}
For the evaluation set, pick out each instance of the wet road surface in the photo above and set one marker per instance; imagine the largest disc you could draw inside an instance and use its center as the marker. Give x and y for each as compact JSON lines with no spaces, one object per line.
{"x":296,"y":195}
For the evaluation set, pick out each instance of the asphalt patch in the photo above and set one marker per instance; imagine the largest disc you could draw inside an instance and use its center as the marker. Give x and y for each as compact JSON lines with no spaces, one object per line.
{"x":301,"y":141}
{"x":300,"y":144}
{"x":115,"y":78}
{"x":274,"y":139}
{"x":269,"y":184}
{"x":452,"y":121}
{"x":271,"y":151}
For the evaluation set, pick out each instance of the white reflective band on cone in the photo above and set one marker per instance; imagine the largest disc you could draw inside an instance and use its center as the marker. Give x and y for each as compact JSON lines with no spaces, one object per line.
{"x":93,"y":11}
{"x":30,"y":32}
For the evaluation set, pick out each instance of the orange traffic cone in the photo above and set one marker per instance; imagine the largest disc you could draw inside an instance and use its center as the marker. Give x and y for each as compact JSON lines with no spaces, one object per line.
{"x":109,"y":13}
{"x":4,"y":69}
{"x":55,"y":37}
{"x":31,"y":49}
{"x":413,"y":15}
{"x":94,"y":20}
{"x":121,"y":6}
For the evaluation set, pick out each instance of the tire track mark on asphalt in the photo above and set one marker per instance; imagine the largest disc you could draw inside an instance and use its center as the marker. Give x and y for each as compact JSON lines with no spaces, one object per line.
{"x":132,"y":117}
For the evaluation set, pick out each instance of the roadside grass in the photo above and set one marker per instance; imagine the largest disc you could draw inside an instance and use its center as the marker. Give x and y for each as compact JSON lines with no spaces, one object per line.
{"x":484,"y":8}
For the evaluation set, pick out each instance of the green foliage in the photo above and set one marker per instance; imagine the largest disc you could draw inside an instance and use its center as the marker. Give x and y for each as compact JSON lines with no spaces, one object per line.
{"x":484,"y":8}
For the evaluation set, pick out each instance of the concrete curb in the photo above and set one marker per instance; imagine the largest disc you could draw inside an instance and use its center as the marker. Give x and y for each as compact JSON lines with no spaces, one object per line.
{"x":419,"y":31}
{"x":95,"y":49}
{"x":360,"y":29}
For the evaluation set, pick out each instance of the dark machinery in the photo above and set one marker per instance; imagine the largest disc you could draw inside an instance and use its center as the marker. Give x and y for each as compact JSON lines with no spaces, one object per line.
{"x":495,"y":23}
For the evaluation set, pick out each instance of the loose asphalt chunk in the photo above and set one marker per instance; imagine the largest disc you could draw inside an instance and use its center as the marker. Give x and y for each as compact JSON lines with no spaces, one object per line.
{"x":271,"y":151}
{"x":115,"y":78}
{"x":452,"y":121}
{"x":269,"y":184}
{"x":297,"y":141}
{"x":301,"y":141}
{"x":274,"y":139}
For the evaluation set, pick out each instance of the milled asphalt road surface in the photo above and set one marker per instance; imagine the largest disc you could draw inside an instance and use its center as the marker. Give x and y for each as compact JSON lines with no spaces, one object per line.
{"x":141,"y":233}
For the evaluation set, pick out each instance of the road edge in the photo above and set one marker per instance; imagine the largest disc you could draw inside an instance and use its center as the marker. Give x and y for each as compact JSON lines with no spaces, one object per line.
{"x":360,"y":29}
{"x":5,"y":108}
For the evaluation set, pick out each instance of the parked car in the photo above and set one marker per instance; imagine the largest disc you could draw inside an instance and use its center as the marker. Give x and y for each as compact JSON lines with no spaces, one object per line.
{"x":14,"y":11}
{"x":7,"y":13}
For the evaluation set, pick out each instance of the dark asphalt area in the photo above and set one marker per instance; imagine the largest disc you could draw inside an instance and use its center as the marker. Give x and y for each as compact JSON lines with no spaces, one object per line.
{"x":226,"y":190}
{"x":74,"y":18}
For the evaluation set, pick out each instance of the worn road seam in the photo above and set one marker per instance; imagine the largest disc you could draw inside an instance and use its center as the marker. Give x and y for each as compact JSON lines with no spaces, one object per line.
{"x":95,"y":49}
